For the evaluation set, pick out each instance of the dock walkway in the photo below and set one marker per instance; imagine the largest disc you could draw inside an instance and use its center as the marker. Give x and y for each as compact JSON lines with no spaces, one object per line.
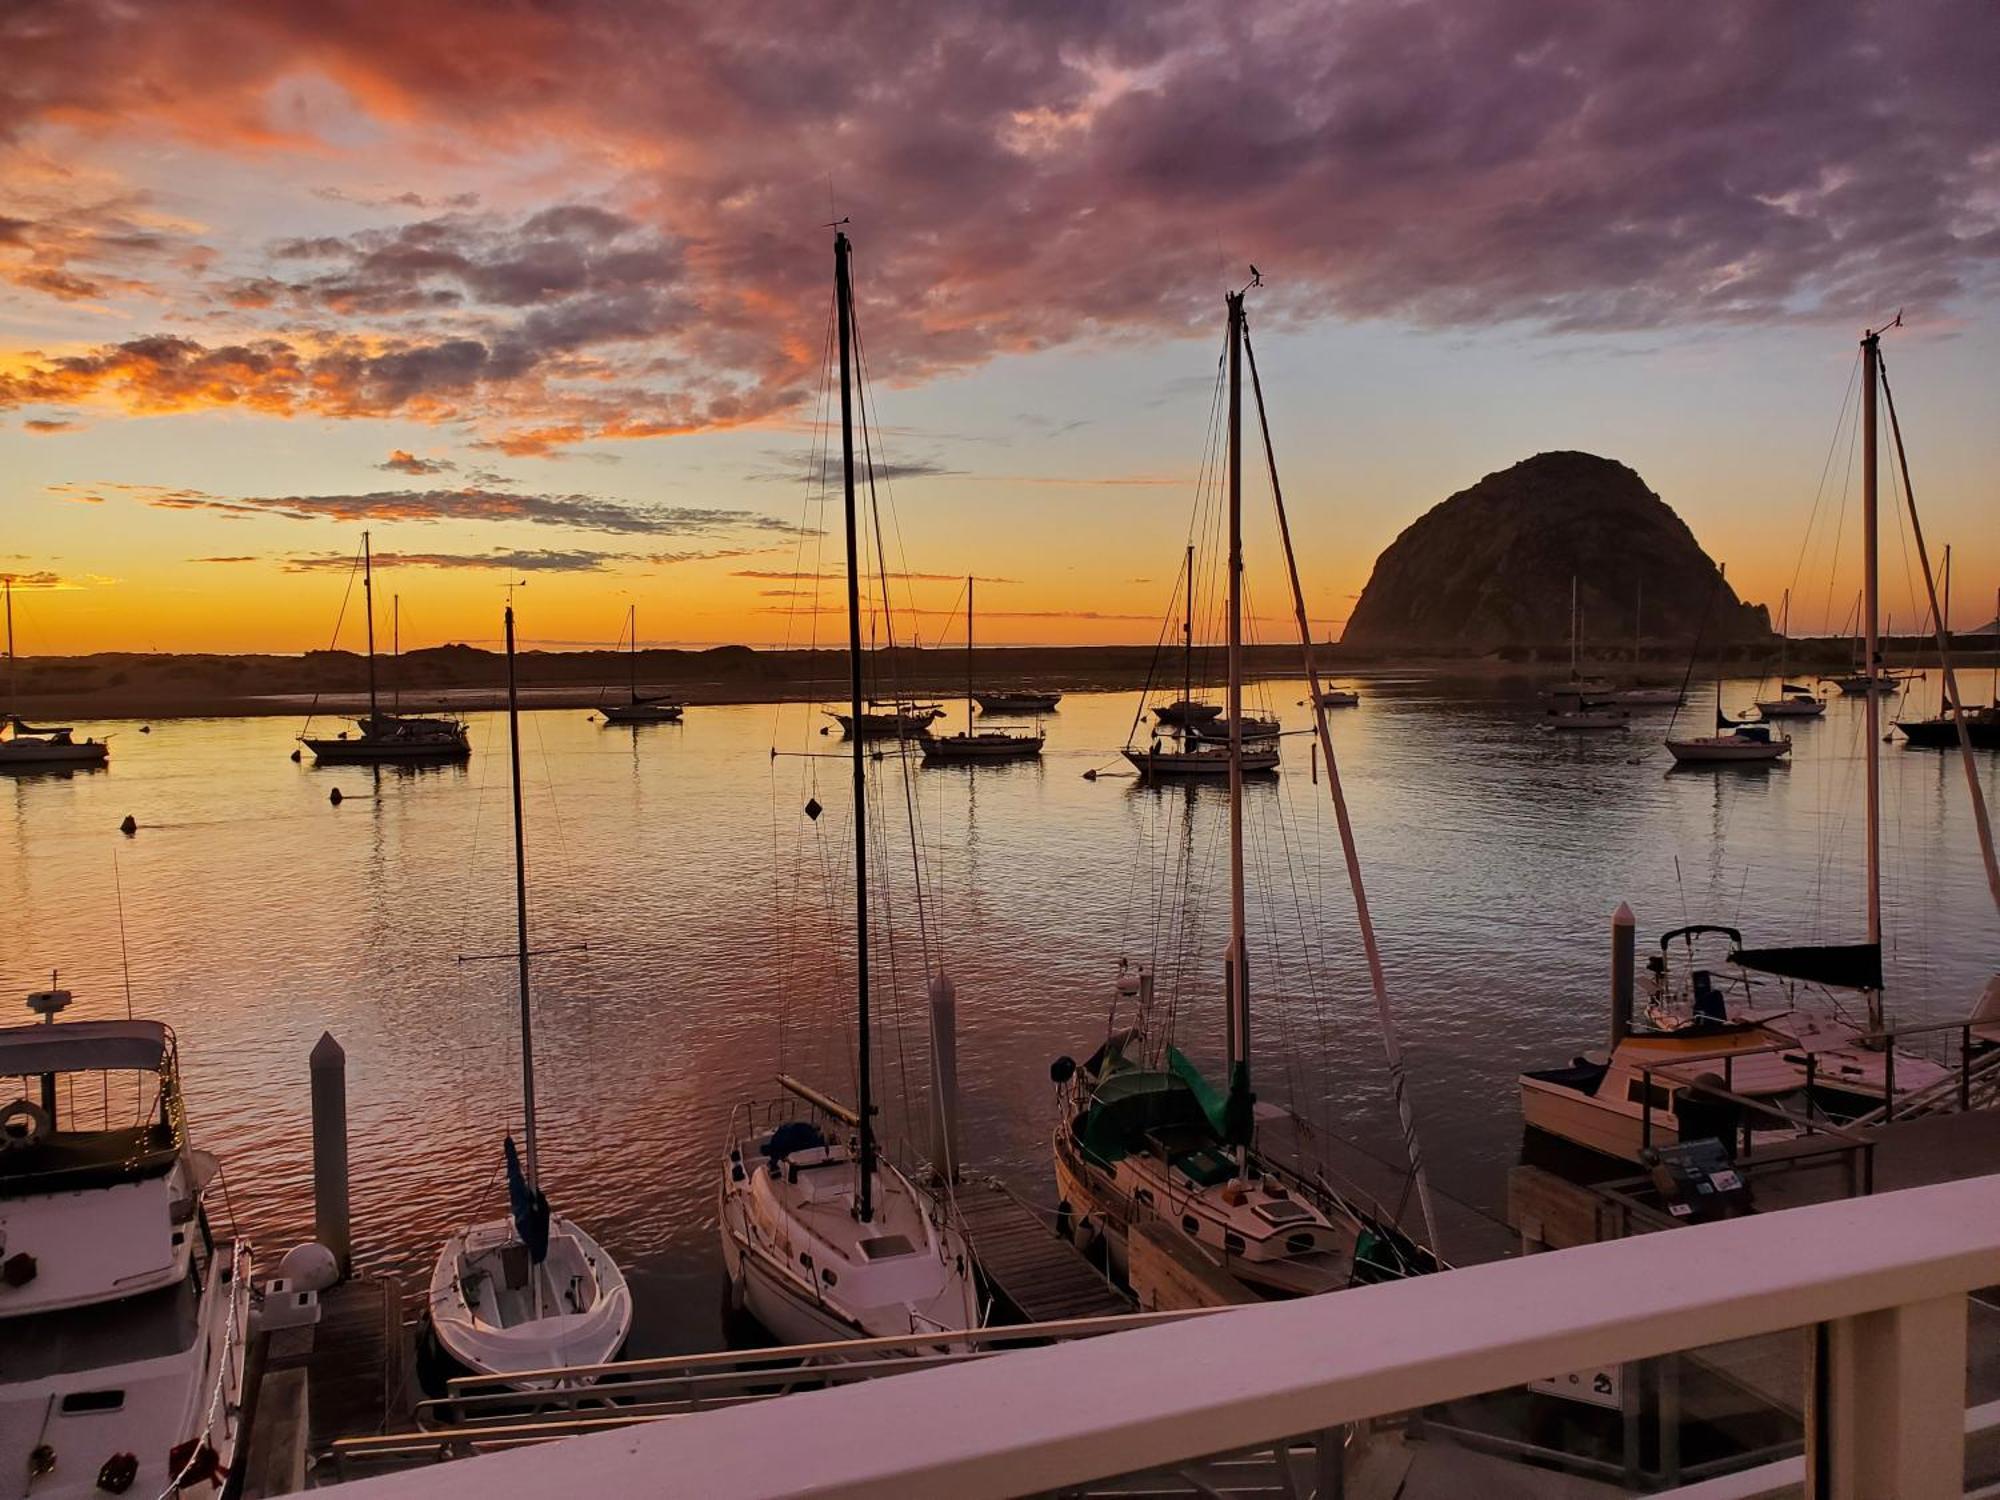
{"x":1026,"y":1263}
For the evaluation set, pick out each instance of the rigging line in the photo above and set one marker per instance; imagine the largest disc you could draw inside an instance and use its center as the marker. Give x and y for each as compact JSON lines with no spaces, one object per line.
{"x":1825,"y":470}
{"x":124,"y":956}
{"x":1377,"y":975}
{"x":312,"y":708}
{"x":1982,"y":826}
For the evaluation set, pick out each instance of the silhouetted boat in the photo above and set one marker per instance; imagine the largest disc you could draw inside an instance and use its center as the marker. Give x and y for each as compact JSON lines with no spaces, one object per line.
{"x":640,"y":709}
{"x":390,"y":737}
{"x":40,"y":748}
{"x":978,"y":747}
{"x":1022,"y":701}
{"x":882,"y":721}
{"x":1793,"y":701}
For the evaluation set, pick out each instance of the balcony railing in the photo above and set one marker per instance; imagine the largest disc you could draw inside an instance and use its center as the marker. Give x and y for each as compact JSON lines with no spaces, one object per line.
{"x":1880,"y":1284}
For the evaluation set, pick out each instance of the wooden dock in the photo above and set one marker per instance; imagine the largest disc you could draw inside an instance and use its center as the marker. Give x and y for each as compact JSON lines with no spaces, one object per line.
{"x":1040,"y":1276}
{"x":357,"y":1362}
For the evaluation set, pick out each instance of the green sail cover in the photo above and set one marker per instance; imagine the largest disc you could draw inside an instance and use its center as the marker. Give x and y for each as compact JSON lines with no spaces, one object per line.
{"x":1214,"y":1103}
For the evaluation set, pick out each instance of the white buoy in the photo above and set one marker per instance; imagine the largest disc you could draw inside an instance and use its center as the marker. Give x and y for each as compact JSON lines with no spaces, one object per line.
{"x":310,"y":1267}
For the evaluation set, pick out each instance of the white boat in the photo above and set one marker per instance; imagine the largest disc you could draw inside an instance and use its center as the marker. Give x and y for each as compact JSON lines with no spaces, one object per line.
{"x":529,"y":1294}
{"x":822,"y":1237}
{"x":27,"y":746}
{"x":1160,"y":760}
{"x":1792,"y":1055}
{"x":1255,"y":727}
{"x":1139,"y":1135}
{"x":388,"y":737}
{"x":638,"y":707}
{"x":1647,"y":696}
{"x":1338,"y":698}
{"x":978,"y":746}
{"x":123,"y":1317}
{"x":1794,"y":701}
{"x":1735,"y":741}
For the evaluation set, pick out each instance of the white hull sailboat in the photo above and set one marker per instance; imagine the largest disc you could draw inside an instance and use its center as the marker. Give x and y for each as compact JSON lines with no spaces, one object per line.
{"x":125,"y":1319}
{"x":1583,"y":706}
{"x":1794,"y":700}
{"x":530,"y":1295}
{"x":1135,"y":1142}
{"x":822,"y":1237}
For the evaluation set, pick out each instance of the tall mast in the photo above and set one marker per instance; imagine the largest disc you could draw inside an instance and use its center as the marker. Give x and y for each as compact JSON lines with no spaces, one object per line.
{"x":1638,"y":621}
{"x":1784,"y":639}
{"x":1944,"y":613}
{"x":396,"y":650}
{"x":368,"y":601}
{"x":521,"y":909}
{"x":632,"y":656}
{"x":1572,"y":629}
{"x":1871,"y":359}
{"x":1187,"y":634}
{"x":843,"y":296}
{"x":13,"y":665}
{"x":1236,"y":976}
{"x":968,"y":656}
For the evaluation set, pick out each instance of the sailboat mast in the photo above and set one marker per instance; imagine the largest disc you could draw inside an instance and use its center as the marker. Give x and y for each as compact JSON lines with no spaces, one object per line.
{"x":1871,"y":356}
{"x":368,"y":603}
{"x":1572,"y":628}
{"x":1784,"y":640}
{"x":1944,"y":613}
{"x":1237,"y":972}
{"x":13,"y":664}
{"x":521,"y":910}
{"x":632,"y":655}
{"x":1187,"y":634}
{"x":843,"y":294}
{"x":396,"y":650}
{"x":968,"y":656}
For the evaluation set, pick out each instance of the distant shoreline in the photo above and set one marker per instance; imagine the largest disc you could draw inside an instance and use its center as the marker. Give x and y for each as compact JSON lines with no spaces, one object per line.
{"x":131,"y":686}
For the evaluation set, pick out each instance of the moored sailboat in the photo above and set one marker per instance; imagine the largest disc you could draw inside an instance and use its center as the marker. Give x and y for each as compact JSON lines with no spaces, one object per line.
{"x":1793,"y":701}
{"x":388,"y":737}
{"x":822,"y":1236}
{"x":1582,"y":706}
{"x":640,"y":708}
{"x":38,"y":747}
{"x":528,"y":1294}
{"x":978,"y":746}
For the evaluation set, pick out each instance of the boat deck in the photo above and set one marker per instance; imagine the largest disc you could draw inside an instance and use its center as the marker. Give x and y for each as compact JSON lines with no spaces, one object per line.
{"x":1027,"y":1263}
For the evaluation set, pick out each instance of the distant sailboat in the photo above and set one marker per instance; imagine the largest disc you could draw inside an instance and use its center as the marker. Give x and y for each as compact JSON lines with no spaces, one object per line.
{"x":529,"y":1292}
{"x":978,"y":747}
{"x":1017,"y":701}
{"x":1982,"y":723}
{"x":392,"y":738}
{"x":38,"y":747}
{"x":1793,"y":701}
{"x":640,"y":709}
{"x":1577,"y":708}
{"x":1734,"y":741}
{"x":1187,"y":709}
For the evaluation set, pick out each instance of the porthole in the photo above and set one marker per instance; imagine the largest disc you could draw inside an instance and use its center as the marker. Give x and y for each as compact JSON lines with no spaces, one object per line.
{"x":1191,"y":1224}
{"x":1232,"y":1243}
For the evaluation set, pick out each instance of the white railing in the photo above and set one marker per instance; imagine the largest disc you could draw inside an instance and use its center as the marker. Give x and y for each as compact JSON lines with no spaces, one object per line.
{"x":1882,"y":1281}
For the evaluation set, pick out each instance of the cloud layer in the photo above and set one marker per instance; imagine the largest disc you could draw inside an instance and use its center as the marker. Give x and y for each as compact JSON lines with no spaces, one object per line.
{"x":1019,"y":177}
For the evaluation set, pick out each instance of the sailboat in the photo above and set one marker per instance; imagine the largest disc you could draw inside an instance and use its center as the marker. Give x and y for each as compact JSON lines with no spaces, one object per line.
{"x":528,"y":1293}
{"x":1016,"y":701}
{"x":1134,"y":1143}
{"x":640,"y":709}
{"x":1735,"y":741}
{"x":1643,"y":694}
{"x":1793,"y":701}
{"x":1187,"y":709}
{"x":822,"y":1236}
{"x":978,"y":747}
{"x":39,"y":747}
{"x":1982,"y":723}
{"x":405,"y":739}
{"x":1579,"y":707}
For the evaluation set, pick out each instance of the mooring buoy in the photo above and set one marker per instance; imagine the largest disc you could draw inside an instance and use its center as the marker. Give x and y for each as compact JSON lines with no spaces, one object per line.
{"x":130,"y":826}
{"x":334,"y":797}
{"x":295,"y":757}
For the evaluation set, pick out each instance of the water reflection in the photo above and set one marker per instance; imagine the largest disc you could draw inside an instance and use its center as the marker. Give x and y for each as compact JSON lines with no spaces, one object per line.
{"x":704,"y":944}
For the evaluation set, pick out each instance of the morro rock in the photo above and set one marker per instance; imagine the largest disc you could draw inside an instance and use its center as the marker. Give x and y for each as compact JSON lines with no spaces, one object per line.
{"x":1490,"y":568}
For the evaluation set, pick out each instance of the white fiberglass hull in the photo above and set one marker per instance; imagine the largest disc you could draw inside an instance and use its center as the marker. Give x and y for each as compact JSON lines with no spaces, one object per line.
{"x":497,"y":1314}
{"x":1727,"y":748}
{"x":1793,"y":708}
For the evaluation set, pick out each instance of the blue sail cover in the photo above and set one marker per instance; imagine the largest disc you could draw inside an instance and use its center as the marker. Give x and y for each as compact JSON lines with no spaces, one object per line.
{"x":531,"y":1209}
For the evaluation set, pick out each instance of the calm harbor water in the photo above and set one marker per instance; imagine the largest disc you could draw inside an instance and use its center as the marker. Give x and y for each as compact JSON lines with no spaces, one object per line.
{"x":692,"y":922}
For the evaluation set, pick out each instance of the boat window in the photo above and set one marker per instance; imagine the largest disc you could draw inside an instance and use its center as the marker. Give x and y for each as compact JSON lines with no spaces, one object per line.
{"x":1300,"y":1244}
{"x":1190,"y":1223}
{"x":1232,"y":1243}
{"x":1663,"y":1096}
{"x":1145,"y":1196}
{"x":805,"y":1260}
{"x":887,"y":1247}
{"x":73,"y":1339}
{"x":89,"y":1401}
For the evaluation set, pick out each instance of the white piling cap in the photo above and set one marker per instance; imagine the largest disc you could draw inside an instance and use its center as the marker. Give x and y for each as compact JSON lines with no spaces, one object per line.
{"x":1623,"y":916}
{"x":310,"y":1267}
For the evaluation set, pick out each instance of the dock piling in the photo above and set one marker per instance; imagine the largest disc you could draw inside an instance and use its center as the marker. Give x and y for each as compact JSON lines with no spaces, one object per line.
{"x":944,"y":1079}
{"x":1623,"y":965}
{"x":329,"y":1135}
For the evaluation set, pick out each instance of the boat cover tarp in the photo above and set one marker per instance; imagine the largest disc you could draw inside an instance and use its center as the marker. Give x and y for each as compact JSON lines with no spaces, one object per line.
{"x":531,"y":1209}
{"x":1847,"y":966}
{"x":83,"y":1047}
{"x":1127,"y":1105}
{"x":1230,"y":1115}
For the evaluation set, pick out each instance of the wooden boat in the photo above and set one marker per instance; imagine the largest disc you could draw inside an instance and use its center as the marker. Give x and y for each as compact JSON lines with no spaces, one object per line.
{"x":978,"y":747}
{"x":528,"y":1291}
{"x":821,"y":1237}
{"x":39,"y":748}
{"x":125,"y":1314}
{"x":640,"y":708}
{"x":389,"y":737}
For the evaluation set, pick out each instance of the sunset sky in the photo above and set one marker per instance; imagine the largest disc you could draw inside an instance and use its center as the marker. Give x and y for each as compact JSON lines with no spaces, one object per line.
{"x":541,"y":290}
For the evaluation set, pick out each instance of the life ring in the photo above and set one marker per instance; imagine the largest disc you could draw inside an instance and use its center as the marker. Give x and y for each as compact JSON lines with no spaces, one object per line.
{"x":22,"y":1123}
